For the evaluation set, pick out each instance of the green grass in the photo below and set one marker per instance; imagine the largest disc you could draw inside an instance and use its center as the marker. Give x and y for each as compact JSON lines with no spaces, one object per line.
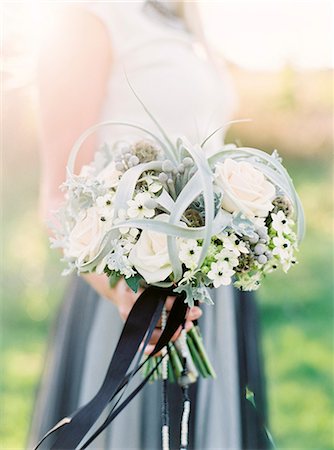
{"x":296,"y":312}
{"x":297,"y":321}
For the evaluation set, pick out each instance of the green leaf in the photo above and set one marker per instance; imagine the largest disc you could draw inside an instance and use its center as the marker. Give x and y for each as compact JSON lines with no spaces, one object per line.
{"x":250,"y":396}
{"x":134,"y":282}
{"x":114,"y":278}
{"x":189,"y":290}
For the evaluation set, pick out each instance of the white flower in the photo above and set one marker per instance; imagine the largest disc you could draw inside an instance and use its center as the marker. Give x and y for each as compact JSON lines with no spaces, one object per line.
{"x":188,"y":276}
{"x":286,"y":263}
{"x":235,"y":244}
{"x":150,"y":255}
{"x":104,"y":204}
{"x":244,"y":188}
{"x":220,"y":274}
{"x":137,"y":206}
{"x":271,"y":265}
{"x":85,"y":239}
{"x":282,"y":247}
{"x":281,"y":223}
{"x":129,"y":239}
{"x":247,"y":282}
{"x":110,"y":176}
{"x":86,"y":171}
{"x":153,"y":184}
{"x":229,"y":256}
{"x":284,"y":251}
{"x":116,"y":260}
{"x":189,"y":252}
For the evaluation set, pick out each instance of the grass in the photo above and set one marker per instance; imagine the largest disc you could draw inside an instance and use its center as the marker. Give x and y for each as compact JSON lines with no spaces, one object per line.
{"x":297,"y":321}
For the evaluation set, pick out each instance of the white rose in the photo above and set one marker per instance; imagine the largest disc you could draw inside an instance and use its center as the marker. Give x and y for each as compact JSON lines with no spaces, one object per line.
{"x":110,"y":175}
{"x":86,"y":236}
{"x":245,"y":188}
{"x":150,"y":255}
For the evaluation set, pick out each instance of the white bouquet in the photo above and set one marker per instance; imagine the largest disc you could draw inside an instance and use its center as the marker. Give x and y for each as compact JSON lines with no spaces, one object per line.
{"x":175,"y":220}
{"x":167,"y":214}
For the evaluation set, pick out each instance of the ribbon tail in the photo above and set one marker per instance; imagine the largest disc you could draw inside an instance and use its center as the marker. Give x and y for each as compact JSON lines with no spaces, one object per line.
{"x":138,"y":327}
{"x":58,"y":425}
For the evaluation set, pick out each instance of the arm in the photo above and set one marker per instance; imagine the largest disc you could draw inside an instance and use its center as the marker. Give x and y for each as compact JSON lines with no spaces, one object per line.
{"x":73,"y":74}
{"x":73,"y":71}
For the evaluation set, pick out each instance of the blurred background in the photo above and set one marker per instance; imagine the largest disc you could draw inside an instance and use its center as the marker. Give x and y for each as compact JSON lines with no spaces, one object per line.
{"x":280,"y":56}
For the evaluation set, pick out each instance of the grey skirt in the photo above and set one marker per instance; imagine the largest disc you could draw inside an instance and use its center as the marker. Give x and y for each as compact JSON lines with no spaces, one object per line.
{"x":82,"y":342}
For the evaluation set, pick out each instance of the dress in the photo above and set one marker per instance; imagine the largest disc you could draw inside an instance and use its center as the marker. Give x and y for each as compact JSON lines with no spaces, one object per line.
{"x":186,"y":94}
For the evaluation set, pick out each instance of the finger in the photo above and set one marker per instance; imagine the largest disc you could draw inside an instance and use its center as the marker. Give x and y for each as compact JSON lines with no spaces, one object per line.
{"x":155,"y":336}
{"x":188,"y":325}
{"x":169,"y":302}
{"x":194,"y":313}
{"x":149,"y":349}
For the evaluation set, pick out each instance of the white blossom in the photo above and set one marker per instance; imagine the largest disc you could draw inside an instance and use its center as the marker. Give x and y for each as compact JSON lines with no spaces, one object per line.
{"x":288,"y":261}
{"x":104,"y":205}
{"x":281,"y":223}
{"x":116,"y":260}
{"x":282,"y":247}
{"x":129,"y":239}
{"x":220,"y":274}
{"x":153,"y":184}
{"x":271,"y":265}
{"x":150,"y":254}
{"x":248,"y":282}
{"x":137,"y":206}
{"x":228,"y":256}
{"x":245,"y":188}
{"x":188,"y":276}
{"x":189,"y":252}
{"x":235,"y":244}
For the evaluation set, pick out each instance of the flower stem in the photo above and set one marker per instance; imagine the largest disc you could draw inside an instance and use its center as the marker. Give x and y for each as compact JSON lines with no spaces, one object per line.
{"x":194,"y":334}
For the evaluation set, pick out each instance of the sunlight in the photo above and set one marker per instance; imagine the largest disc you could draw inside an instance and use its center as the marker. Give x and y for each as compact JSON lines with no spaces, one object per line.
{"x":268,"y":34}
{"x":256,"y":34}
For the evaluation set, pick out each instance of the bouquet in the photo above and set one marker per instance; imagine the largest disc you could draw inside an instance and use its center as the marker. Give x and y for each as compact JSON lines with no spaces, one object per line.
{"x":170,"y":217}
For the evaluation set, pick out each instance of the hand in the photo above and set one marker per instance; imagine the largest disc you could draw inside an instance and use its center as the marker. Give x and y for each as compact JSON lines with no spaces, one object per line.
{"x":124,"y":298}
{"x":193,"y":313}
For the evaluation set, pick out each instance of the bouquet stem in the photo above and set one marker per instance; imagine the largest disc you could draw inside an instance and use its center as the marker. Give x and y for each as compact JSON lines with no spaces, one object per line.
{"x":201,"y":362}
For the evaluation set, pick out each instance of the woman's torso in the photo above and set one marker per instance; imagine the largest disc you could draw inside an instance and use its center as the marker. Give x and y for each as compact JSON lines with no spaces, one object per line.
{"x":168,"y":69}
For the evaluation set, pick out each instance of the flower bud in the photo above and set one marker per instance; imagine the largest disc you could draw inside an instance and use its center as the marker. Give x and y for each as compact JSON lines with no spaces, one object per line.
{"x":180,"y":168}
{"x":167,"y":166}
{"x":262,"y":232}
{"x":259,"y":249}
{"x":163,"y":177}
{"x":254,"y":239}
{"x":119,"y":166}
{"x":268,"y":254}
{"x":124,"y":150}
{"x":262,"y":259}
{"x":188,"y":162}
{"x":134,"y":160}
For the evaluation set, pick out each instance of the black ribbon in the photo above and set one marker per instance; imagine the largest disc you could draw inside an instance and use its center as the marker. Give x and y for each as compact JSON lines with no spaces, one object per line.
{"x":141,"y":322}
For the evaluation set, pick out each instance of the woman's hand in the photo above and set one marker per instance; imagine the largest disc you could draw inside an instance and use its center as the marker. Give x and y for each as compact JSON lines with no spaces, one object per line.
{"x":124,"y":298}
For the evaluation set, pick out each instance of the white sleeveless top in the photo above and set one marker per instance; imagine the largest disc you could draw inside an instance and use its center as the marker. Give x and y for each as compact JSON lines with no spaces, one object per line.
{"x":168,"y":69}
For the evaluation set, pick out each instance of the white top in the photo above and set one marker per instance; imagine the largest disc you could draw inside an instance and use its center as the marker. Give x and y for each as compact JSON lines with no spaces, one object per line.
{"x":168,"y":69}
